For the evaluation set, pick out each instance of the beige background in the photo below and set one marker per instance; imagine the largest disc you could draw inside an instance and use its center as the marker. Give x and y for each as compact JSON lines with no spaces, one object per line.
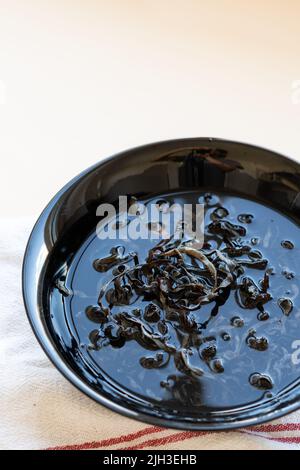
{"x":80,"y":80}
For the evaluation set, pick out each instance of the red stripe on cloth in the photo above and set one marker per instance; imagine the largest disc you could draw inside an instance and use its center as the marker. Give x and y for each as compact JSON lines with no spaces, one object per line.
{"x":276,"y":427}
{"x":190,"y":434}
{"x":154,"y":429}
{"x":180,"y":436}
{"x":288,"y":440}
{"x":111,"y":441}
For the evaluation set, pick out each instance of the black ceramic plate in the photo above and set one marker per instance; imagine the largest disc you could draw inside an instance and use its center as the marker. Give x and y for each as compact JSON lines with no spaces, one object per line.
{"x":59,"y":283}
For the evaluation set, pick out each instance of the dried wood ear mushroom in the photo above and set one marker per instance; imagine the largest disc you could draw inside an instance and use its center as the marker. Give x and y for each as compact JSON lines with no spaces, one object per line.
{"x":158,"y":301}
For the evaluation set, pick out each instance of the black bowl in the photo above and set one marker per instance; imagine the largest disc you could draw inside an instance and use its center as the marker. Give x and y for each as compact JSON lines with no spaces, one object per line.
{"x":71,"y":215}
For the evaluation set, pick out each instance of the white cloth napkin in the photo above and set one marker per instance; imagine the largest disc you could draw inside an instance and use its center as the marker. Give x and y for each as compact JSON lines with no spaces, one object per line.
{"x":40,"y":409}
